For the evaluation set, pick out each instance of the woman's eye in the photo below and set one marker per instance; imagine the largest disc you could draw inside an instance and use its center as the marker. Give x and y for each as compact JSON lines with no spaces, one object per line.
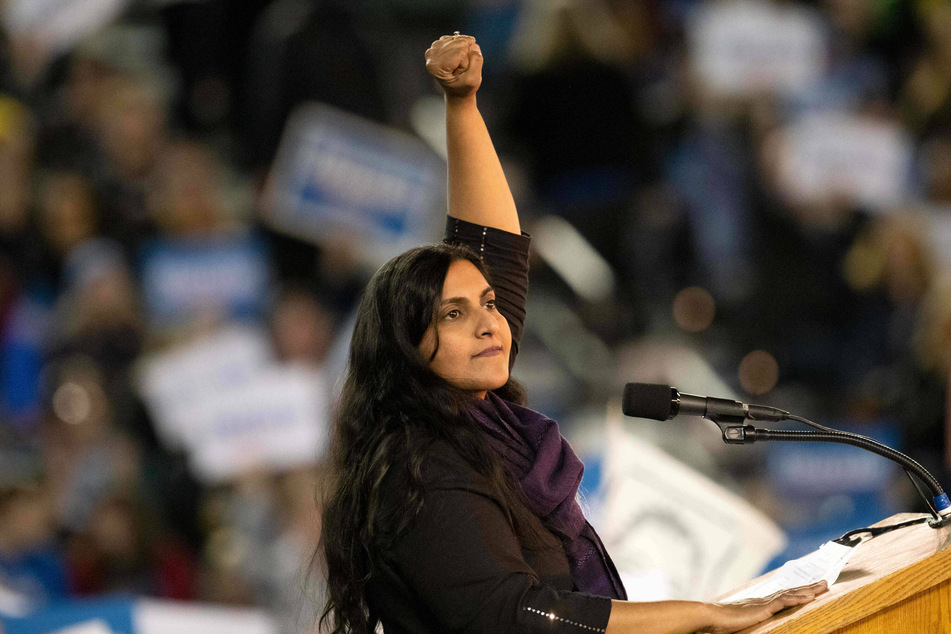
{"x":490,"y":304}
{"x":453,"y":314}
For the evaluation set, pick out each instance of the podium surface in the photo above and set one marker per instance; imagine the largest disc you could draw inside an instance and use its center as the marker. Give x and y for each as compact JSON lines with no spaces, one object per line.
{"x":896,"y":583}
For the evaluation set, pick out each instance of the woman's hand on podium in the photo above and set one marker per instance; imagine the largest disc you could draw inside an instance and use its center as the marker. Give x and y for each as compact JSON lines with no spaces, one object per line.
{"x":732,"y":617}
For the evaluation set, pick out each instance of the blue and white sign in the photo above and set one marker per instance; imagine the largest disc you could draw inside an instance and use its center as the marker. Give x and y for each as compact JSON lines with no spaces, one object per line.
{"x":128,"y":615}
{"x":174,"y":382}
{"x":277,"y":422}
{"x":809,"y":470}
{"x":231,"y":407}
{"x":828,"y":489}
{"x":224,"y":275}
{"x":339,"y":176}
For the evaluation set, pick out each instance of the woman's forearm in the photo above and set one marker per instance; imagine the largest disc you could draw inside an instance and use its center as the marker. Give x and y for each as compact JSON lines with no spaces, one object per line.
{"x":478,"y":190}
{"x":660,"y":617}
{"x":667,"y":617}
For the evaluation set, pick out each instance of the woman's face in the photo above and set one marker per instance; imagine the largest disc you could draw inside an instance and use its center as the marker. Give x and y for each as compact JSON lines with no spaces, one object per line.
{"x":474,"y":338}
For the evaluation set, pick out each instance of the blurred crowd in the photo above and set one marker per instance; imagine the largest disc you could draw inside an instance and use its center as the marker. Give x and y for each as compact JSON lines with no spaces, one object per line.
{"x":806,"y":269}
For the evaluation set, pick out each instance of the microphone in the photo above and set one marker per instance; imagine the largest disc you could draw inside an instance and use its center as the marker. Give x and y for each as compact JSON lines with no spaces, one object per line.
{"x":662,"y":402}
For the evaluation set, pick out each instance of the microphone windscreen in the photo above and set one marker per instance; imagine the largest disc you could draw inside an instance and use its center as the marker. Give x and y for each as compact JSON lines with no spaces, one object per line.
{"x":647,"y":400}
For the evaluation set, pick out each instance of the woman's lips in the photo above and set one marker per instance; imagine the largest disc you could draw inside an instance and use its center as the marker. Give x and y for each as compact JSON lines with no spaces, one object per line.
{"x":490,"y":352}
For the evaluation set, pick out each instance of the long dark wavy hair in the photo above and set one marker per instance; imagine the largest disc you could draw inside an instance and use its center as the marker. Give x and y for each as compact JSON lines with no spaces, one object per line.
{"x":392,"y":408}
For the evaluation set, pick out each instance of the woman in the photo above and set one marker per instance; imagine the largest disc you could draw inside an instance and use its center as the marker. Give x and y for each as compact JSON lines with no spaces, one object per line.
{"x":453,"y":506}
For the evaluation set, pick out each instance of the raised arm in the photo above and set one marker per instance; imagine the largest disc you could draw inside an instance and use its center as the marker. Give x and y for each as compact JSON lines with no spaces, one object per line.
{"x":478,"y":191}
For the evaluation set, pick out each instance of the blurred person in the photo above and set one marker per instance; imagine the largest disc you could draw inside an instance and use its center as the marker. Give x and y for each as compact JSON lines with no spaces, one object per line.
{"x":299,"y":595}
{"x":575,"y":60}
{"x":301,"y":328}
{"x":242,"y":523}
{"x":936,"y":168}
{"x":131,"y":120}
{"x":124,"y":549}
{"x":892,"y":269}
{"x":892,"y":255}
{"x":188,"y":195}
{"x":32,"y":560}
{"x":206,"y":265}
{"x":917,"y":388}
{"x":270,"y":525}
{"x":452,"y":506}
{"x":86,"y":456}
{"x":18,"y":243}
{"x":16,"y":161}
{"x":303,"y":51}
{"x":67,"y":211}
{"x":68,"y":133}
{"x":98,"y":314}
{"x":925,"y":96}
{"x":26,"y":286}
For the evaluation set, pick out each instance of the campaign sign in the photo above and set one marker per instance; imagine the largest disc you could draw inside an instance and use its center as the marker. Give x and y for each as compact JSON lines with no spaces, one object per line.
{"x":672,"y":532}
{"x":837,"y":154}
{"x":741,"y":48}
{"x":102,"y":616}
{"x":130,"y":615}
{"x":57,"y":25}
{"x":231,"y":407}
{"x":174,"y":382}
{"x":339,"y":175}
{"x":225,"y":275}
{"x":276,"y":422}
{"x":820,"y":469}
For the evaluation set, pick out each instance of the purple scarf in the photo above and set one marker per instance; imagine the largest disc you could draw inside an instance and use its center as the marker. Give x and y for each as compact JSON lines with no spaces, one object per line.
{"x":549,"y":472}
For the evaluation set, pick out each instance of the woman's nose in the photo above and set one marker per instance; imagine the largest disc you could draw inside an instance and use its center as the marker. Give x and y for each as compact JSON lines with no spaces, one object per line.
{"x":488,"y":323}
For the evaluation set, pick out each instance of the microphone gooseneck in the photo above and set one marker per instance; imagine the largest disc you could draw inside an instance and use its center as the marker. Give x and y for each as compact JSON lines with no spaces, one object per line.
{"x":662,"y":402}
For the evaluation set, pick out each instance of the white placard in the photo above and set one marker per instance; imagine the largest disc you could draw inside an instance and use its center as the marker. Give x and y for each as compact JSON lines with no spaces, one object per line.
{"x":740,"y":48}
{"x":835,"y":154}
{"x":173,"y":383}
{"x":278,"y":421}
{"x":232,"y":407}
{"x":674,"y":534}
{"x":174,"y":617}
{"x":55,"y":25}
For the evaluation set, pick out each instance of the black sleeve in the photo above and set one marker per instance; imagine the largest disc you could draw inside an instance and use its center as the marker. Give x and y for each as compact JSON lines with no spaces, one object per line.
{"x":463,"y":560}
{"x":506,"y":256}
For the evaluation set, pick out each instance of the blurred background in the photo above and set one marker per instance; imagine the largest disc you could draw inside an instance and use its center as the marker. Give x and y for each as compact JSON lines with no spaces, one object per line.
{"x":746,"y":199}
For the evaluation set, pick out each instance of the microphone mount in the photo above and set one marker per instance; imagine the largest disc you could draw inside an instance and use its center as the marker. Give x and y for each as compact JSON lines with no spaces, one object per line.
{"x":735,"y":432}
{"x":732,"y":417}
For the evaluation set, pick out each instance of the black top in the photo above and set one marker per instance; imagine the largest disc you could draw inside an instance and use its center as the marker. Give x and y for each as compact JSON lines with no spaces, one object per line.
{"x":460,"y":567}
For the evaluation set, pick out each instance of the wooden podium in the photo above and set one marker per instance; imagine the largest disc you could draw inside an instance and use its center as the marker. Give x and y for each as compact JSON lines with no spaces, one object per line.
{"x":896,"y":583}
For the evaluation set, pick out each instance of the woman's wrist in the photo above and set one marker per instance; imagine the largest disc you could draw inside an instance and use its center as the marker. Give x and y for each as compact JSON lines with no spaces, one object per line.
{"x":708,"y":615}
{"x":462,"y":102}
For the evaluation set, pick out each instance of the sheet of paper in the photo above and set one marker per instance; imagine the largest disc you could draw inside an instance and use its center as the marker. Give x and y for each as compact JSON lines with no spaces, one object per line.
{"x":825,"y":563}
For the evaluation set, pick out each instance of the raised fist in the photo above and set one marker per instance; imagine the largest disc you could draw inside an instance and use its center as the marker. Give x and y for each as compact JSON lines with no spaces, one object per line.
{"x":456,"y":63}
